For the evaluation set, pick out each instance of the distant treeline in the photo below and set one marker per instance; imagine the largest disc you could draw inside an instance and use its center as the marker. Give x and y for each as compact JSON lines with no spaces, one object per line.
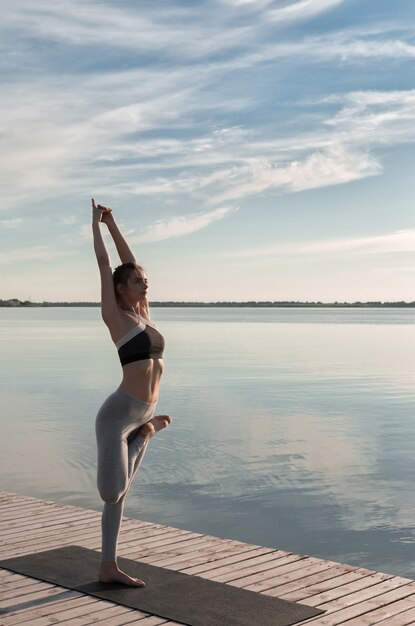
{"x":282,"y":303}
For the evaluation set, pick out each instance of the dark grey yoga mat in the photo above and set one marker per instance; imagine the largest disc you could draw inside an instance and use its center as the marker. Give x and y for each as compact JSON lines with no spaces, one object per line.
{"x":173,"y":595}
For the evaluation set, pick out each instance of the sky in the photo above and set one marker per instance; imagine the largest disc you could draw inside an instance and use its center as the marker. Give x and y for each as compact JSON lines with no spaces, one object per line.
{"x":249,"y":149}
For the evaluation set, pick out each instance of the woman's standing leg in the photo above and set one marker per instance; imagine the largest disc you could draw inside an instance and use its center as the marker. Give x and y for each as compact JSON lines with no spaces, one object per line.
{"x":123,"y":464}
{"x":112,"y":511}
{"x":123,"y":429}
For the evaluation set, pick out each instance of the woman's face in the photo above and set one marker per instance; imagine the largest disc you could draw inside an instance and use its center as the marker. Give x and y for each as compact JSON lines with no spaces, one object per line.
{"x":137,"y":285}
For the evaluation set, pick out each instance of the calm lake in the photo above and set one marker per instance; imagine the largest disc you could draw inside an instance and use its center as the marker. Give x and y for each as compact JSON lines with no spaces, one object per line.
{"x":292,"y":428}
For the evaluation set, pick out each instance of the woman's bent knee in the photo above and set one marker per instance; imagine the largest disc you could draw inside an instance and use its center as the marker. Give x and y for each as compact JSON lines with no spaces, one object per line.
{"x":112,"y":497}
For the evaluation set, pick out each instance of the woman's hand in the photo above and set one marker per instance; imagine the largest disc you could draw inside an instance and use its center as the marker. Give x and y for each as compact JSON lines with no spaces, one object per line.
{"x":107,"y":216}
{"x":101,"y":213}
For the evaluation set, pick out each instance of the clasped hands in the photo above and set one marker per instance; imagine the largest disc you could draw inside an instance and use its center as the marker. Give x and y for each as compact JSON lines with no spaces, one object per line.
{"x":101,"y":213}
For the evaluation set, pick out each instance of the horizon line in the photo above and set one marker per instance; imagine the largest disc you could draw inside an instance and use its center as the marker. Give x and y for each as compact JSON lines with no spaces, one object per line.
{"x":15,"y":302}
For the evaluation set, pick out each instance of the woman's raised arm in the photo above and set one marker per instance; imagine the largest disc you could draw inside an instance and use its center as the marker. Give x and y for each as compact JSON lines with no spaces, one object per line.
{"x":124,"y":252}
{"x":109,"y":304}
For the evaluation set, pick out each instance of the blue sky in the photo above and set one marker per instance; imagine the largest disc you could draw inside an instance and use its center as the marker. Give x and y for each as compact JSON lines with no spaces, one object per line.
{"x":250,"y":150}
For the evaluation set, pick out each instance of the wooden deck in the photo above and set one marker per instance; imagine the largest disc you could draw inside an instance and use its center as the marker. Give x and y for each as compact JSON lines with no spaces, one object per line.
{"x":353,"y":596}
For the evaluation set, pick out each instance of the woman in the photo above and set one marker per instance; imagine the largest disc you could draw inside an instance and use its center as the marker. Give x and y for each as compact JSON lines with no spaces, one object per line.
{"x":126,"y":421}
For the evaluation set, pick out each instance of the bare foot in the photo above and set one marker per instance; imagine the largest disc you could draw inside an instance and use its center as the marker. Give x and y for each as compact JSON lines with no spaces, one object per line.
{"x":111,"y":574}
{"x":158,"y":422}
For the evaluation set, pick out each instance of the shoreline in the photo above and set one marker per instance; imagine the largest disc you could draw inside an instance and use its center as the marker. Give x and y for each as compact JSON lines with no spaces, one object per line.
{"x":15,"y":303}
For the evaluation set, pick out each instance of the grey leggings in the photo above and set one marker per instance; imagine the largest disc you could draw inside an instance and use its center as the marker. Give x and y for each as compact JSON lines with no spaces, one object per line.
{"x":120,"y":452}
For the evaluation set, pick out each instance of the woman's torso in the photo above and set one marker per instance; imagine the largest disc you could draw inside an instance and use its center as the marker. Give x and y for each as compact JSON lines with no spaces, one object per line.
{"x":141,"y":378}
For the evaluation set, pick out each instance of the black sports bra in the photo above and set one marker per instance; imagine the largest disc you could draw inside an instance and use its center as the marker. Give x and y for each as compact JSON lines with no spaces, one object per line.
{"x":141,"y":342}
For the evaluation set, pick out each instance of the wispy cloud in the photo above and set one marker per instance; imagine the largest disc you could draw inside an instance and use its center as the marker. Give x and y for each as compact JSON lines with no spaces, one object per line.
{"x":330,"y":167}
{"x":342,"y":46}
{"x":345,"y":148}
{"x":181,"y":225}
{"x":91,"y":133}
{"x":173,"y":30}
{"x":376,"y":117}
{"x":148,"y":128}
{"x":12,"y":223}
{"x":291,"y":11}
{"x":33,"y":253}
{"x":301,"y":9}
{"x":401,"y":241}
{"x":252,"y":4}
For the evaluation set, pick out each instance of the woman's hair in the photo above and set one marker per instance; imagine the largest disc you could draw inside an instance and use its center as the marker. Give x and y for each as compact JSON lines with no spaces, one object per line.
{"x":122,"y":273}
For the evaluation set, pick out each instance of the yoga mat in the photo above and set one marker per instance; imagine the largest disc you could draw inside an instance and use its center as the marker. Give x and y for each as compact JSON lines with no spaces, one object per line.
{"x":191,"y":600}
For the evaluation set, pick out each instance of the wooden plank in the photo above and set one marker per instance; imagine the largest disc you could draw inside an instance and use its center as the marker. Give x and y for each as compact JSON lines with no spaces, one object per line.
{"x":12,"y":578}
{"x":235,"y":573}
{"x":131,"y":530}
{"x":158,"y":539}
{"x":392,"y":586}
{"x":41,"y":543}
{"x":336,"y":592}
{"x":313,"y":584}
{"x":357,"y":604}
{"x":290,"y":575}
{"x":10,"y":604}
{"x":224,"y":570}
{"x":175,"y":542}
{"x":180,"y":562}
{"x":63,"y":538}
{"x":13,"y":511}
{"x":47,"y":608}
{"x":290,"y":566}
{"x":27,"y":501}
{"x":184,"y":547}
{"x":46,"y":620}
{"x":202,"y":551}
{"x":51,"y":526}
{"x":82,"y":615}
{"x":383,"y":612}
{"x":91,"y":538}
{"x":13,"y":494}
{"x":225,"y":554}
{"x":24,"y":588}
{"x":10,"y":505}
{"x":5,"y":574}
{"x":55,"y":527}
{"x":32,"y":522}
{"x":42,"y":615}
{"x":120,"y":615}
{"x":118,"y":620}
{"x":21,"y":498}
{"x":406,"y":618}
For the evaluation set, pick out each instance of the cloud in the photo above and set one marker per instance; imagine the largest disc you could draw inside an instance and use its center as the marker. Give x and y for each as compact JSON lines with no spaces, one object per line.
{"x":333,"y":166}
{"x":155,"y":129}
{"x":225,"y":164}
{"x":302,"y":9}
{"x":401,"y":241}
{"x":33,"y":253}
{"x":346,"y":46}
{"x":342,"y":150}
{"x":174,"y":31}
{"x":375,"y":117}
{"x":293,"y":10}
{"x":252,"y":4}
{"x":12,"y":223}
{"x":181,"y":225}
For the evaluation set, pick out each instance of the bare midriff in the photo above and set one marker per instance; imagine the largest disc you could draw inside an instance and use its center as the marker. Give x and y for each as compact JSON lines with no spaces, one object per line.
{"x":141,"y":379}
